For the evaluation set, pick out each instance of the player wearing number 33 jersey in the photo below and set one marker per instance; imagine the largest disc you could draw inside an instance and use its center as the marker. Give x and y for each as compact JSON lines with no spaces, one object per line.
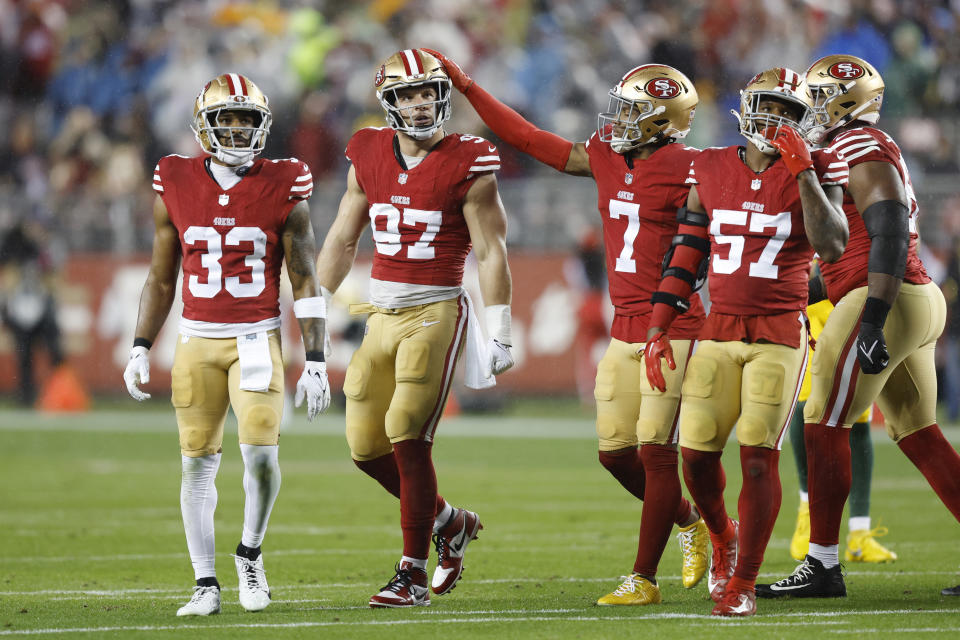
{"x":639,"y":167}
{"x":761,"y":207}
{"x":230,"y":219}
{"x":429,"y":197}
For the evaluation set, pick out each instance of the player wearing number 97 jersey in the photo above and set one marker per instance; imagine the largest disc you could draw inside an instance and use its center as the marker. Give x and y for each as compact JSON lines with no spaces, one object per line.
{"x":429,"y":197}
{"x":640,"y":170}
{"x":230,"y":218}
{"x":763,"y":207}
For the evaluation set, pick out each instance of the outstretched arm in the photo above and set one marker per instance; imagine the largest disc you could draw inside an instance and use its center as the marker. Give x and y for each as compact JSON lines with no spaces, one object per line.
{"x":512,"y":128}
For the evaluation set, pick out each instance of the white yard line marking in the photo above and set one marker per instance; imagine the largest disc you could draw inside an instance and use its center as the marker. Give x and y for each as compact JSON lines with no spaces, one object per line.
{"x":759,"y":621}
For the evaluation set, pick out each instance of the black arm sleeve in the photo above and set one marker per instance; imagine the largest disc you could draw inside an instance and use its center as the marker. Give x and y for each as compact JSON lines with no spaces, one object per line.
{"x":886,"y":222}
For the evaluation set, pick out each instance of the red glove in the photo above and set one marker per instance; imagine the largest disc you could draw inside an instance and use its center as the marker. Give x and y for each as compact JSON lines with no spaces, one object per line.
{"x":461,"y":81}
{"x":793,"y":150}
{"x":658,"y":346}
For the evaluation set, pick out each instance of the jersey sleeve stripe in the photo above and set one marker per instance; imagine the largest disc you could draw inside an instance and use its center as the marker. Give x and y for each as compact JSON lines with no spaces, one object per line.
{"x":482,"y":158}
{"x":308,"y":177}
{"x":862,"y":152}
{"x":840,"y":143}
{"x":836,"y":174}
{"x":858,"y":145}
{"x":486,"y":167}
{"x":301,"y":187}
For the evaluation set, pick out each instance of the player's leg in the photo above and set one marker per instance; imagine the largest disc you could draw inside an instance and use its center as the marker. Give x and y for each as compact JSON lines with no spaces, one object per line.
{"x":862,"y":545}
{"x":771,"y":383}
{"x":710,"y":407}
{"x":258,"y":424}
{"x":800,"y":541}
{"x":431,"y":339}
{"x":623,"y":414}
{"x":199,"y":394}
{"x":908,"y":401}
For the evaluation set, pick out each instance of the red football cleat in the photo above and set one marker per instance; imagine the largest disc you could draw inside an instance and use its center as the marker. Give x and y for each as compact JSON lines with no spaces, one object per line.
{"x":722,"y":563}
{"x":408,"y":588}
{"x":451,"y":542}
{"x":736,"y":603}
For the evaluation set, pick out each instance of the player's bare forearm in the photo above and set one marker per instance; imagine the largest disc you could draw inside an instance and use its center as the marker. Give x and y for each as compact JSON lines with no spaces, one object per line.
{"x":159,"y":290}
{"x":823,"y":217}
{"x":496,"y":284}
{"x":299,"y":249}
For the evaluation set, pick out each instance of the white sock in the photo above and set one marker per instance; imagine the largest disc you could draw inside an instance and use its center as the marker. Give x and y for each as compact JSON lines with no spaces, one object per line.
{"x":859,"y":523}
{"x":828,"y":555}
{"x":416,"y":563}
{"x":261,"y":483}
{"x":804,"y":496}
{"x":198,"y":501}
{"x":443,"y":516}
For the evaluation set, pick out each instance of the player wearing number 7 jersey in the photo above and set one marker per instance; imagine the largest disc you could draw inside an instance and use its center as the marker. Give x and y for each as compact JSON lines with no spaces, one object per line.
{"x":230,"y":218}
{"x":640,"y":169}
{"x":428,"y":196}
{"x":761,"y":207}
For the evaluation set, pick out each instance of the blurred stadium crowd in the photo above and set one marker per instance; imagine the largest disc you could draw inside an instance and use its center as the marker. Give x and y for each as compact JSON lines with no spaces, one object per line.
{"x":94,"y":92}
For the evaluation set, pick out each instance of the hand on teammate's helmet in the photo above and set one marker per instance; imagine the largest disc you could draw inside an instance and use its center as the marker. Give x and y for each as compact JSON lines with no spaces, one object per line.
{"x":793,"y":150}
{"x":137,"y":372}
{"x":658,"y":347}
{"x":314,"y":386}
{"x":461,"y":81}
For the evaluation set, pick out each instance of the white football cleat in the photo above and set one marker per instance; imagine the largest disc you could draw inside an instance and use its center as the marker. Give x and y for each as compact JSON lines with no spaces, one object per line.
{"x":254,"y":591}
{"x":205,"y":601}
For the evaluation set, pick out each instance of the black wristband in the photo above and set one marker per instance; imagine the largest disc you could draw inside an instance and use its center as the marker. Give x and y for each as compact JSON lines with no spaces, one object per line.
{"x":875,"y":312}
{"x":315,"y":356}
{"x":142,"y":342}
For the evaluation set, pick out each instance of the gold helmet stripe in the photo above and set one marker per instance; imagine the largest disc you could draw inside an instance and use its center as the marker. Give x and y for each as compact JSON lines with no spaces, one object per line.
{"x":412,"y":63}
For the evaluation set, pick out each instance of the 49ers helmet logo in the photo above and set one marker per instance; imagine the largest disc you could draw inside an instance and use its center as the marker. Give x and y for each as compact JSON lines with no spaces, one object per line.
{"x":846,"y":70}
{"x":381,"y":76}
{"x":662,"y":88}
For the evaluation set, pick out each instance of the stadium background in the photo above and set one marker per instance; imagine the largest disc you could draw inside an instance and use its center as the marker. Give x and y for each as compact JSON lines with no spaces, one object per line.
{"x":93,"y":93}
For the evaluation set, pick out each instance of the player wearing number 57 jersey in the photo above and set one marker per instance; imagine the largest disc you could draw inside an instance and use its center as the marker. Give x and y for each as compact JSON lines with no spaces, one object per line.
{"x":230,"y":218}
{"x":429,"y":197}
{"x":640,"y":170}
{"x":761,"y":207}
{"x":878,"y":343}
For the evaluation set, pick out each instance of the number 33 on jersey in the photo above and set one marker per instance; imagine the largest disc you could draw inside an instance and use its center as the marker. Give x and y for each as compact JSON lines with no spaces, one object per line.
{"x":230,"y":239}
{"x":416,"y":214}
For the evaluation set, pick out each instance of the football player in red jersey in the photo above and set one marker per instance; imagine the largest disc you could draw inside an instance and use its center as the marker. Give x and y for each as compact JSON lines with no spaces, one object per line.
{"x":878,"y":344}
{"x":230,"y":218}
{"x":428,"y":197}
{"x":640,"y":178}
{"x":764,"y":209}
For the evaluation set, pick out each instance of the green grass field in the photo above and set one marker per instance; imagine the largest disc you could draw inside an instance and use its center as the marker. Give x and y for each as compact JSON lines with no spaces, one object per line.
{"x":93,"y":547}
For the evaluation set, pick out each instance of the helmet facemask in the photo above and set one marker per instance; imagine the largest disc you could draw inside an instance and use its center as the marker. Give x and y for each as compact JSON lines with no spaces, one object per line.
{"x":825,"y":98}
{"x":760,"y":128}
{"x":440,"y":108}
{"x":231,"y":92}
{"x":622,"y":123}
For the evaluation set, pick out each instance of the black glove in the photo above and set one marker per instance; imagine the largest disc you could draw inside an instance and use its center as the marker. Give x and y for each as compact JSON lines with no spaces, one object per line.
{"x":871,"y":345}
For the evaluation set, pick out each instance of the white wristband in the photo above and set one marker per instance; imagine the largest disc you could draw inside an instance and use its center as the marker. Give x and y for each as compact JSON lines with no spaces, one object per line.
{"x":497,"y":317}
{"x":315,"y":307}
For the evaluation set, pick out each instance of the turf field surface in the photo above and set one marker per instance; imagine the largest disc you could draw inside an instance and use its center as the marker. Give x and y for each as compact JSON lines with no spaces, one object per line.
{"x":93,"y":544}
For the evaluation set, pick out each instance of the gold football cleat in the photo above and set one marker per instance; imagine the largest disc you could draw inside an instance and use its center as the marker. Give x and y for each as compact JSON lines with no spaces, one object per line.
{"x":693,"y":545}
{"x":635,"y":590}
{"x":800,"y":543}
{"x":862,"y":546}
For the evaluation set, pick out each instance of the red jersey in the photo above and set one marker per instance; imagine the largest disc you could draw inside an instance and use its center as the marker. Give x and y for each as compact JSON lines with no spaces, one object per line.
{"x":638,"y":207}
{"x":419,"y":231}
{"x":231,"y":239}
{"x":866,"y":144}
{"x":760,"y":255}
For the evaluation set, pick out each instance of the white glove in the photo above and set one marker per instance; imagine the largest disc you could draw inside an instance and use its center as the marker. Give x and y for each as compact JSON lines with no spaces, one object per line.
{"x":313,"y":386}
{"x":137,"y":367}
{"x":500,"y":357}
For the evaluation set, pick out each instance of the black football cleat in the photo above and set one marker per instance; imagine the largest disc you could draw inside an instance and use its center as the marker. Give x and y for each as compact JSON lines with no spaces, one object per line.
{"x":951,"y":591}
{"x":809,"y":580}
